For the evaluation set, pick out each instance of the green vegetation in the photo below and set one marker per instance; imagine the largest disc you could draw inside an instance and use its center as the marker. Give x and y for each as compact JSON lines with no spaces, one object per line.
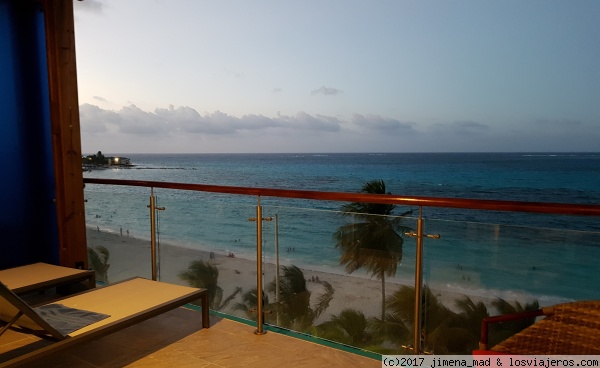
{"x":294,"y":306}
{"x":445,"y":330}
{"x":370,"y":241}
{"x":98,"y":261}
{"x":503,"y":330}
{"x":203,"y":275}
{"x":350,"y":327}
{"x":97,"y":159}
{"x":374,"y":242}
{"x":293,"y":310}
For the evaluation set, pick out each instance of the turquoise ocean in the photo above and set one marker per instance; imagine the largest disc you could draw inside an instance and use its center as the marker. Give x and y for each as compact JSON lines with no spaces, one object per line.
{"x":550,"y":258}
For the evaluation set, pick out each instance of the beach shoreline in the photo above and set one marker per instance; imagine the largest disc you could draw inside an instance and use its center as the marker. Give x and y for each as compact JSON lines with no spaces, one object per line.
{"x":131,"y":256}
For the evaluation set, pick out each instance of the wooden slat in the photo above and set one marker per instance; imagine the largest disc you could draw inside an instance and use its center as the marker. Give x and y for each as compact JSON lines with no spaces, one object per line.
{"x":66,"y":139}
{"x":40,"y":276}
{"x":128,"y":303}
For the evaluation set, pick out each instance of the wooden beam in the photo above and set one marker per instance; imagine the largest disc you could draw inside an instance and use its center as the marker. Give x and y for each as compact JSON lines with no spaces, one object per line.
{"x":66,"y":138}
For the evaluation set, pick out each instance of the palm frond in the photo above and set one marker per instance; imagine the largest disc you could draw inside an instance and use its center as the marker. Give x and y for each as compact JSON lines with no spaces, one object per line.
{"x":204,"y":275}
{"x":229,"y":298}
{"x":324,"y":299}
{"x":98,"y":260}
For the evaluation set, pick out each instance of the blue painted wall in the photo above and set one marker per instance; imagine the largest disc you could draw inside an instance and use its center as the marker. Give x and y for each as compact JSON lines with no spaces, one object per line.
{"x":28,"y":228}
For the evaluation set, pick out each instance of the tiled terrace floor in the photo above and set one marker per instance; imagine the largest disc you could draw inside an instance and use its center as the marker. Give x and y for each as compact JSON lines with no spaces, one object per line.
{"x":176,"y":339}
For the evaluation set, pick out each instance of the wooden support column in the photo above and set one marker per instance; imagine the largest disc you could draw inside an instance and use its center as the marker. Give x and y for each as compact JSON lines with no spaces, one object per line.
{"x":66,"y":137}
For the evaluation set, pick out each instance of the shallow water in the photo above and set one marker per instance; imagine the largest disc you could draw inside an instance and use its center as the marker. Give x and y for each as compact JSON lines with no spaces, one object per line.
{"x":547,"y":257}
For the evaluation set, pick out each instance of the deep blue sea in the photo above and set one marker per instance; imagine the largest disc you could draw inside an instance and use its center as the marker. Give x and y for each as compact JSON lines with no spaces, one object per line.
{"x":548,"y":257}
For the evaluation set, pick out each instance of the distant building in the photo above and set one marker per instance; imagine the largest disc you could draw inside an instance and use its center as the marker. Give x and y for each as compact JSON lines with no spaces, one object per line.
{"x":119,"y":161}
{"x":100,"y":161}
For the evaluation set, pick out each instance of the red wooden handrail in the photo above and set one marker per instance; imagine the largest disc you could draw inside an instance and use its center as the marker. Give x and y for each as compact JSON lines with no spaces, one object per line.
{"x":483,"y":343}
{"x":464,"y":203}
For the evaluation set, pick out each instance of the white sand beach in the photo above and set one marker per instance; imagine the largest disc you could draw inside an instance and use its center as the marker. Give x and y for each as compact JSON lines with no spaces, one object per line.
{"x":131,"y":256}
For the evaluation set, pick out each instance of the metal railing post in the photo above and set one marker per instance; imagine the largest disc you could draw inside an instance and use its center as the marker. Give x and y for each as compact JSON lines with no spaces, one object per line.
{"x":418,"y":325}
{"x":259,"y":272}
{"x":418,"y":283}
{"x":153,"y":244}
{"x":277,"y":265}
{"x":152,"y":207}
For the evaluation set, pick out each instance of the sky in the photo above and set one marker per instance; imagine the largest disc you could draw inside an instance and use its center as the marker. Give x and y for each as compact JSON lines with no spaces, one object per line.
{"x":234,"y":76}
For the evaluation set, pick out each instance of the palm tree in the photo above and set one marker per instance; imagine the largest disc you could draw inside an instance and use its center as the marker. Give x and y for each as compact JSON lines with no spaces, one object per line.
{"x":98,"y":259}
{"x":373,"y":242}
{"x":202,"y":274}
{"x":294,"y":306}
{"x":249,"y":304}
{"x":471,"y":314}
{"x":349,"y":327}
{"x":501,"y":331}
{"x":443,"y":331}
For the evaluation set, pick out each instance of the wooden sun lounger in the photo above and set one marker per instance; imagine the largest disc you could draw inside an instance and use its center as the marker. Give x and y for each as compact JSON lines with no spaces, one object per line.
{"x":126,"y":303}
{"x":40,"y":276}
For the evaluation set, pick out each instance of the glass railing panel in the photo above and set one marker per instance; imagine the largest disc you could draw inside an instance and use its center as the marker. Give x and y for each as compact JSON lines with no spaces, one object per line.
{"x":328,"y":288}
{"x":473,"y":270}
{"x":477,"y":269}
{"x":207,"y":240}
{"x":118,"y":231}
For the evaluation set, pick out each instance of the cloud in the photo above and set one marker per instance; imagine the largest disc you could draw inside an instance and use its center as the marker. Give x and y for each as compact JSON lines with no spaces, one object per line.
{"x":558,"y":124}
{"x":98,"y":98}
{"x":184,"y":129}
{"x":96,"y":120}
{"x":304,"y":121}
{"x":327,"y":91}
{"x":465,"y":127}
{"x":186,"y":120}
{"x":277,"y":90}
{"x":254,"y":122}
{"x":376,"y":122}
{"x":134,"y":120}
{"x":129,"y":120}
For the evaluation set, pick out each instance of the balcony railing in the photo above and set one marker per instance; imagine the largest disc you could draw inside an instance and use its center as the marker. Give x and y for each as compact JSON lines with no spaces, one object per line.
{"x":322,"y":274}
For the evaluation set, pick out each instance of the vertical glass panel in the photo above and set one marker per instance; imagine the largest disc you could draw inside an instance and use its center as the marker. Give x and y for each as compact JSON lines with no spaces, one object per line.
{"x":330,"y":279}
{"x":475,"y":270}
{"x":322,"y":269}
{"x":118,"y":231}
{"x":207,"y":240}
